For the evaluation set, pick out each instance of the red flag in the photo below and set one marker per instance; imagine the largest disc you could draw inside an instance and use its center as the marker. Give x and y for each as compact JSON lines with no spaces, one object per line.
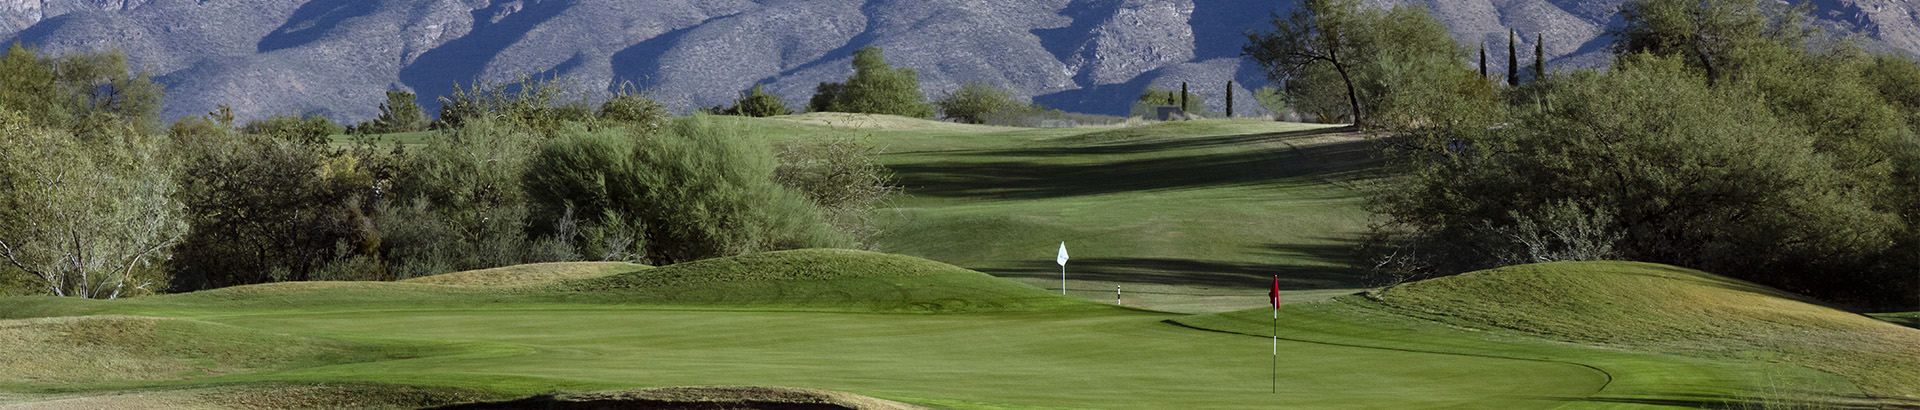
{"x":1274,"y":295}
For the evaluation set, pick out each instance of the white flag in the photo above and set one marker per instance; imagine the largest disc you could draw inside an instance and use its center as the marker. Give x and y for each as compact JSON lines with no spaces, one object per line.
{"x":1062,"y":259}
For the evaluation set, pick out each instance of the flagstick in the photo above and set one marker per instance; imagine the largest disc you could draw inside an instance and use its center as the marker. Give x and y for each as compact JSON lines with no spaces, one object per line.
{"x":1063,"y":279}
{"x":1275,"y":380}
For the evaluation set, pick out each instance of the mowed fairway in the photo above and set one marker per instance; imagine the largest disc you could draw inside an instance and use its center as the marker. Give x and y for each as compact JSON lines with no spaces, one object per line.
{"x":1183,"y":216}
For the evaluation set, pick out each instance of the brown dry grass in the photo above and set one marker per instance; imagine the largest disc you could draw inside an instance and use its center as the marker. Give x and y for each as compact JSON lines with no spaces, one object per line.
{"x":531,"y":274}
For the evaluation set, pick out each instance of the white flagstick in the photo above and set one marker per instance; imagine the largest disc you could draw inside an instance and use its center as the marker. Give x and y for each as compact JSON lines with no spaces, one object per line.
{"x":1275,"y":380}
{"x":1062,"y":260}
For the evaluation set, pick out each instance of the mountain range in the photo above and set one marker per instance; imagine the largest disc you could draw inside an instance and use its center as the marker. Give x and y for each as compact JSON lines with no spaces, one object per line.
{"x":338,"y":57}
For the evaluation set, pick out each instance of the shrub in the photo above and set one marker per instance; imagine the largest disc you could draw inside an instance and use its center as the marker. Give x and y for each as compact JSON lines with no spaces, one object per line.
{"x":313,"y":129}
{"x":634,"y":108}
{"x":756,"y":103}
{"x":839,"y":176}
{"x":972,"y":103}
{"x":699,"y":190}
{"x":543,"y":106}
{"x":258,"y":205}
{"x":875,"y":88}
{"x":1715,"y":181}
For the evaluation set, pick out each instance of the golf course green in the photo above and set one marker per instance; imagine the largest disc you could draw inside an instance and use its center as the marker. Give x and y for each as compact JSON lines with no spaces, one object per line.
{"x":961,"y":307}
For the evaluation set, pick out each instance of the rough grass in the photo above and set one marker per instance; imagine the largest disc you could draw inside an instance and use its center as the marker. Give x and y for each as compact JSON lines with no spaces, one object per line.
{"x":726,"y":397}
{"x":1661,"y":308}
{"x":531,"y":274}
{"x":95,"y":349}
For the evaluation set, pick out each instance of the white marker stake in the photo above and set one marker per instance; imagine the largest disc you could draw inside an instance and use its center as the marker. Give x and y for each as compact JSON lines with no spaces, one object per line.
{"x":1062,"y":260}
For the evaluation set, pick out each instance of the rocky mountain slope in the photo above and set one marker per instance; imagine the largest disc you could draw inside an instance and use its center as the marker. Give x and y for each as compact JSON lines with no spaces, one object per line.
{"x":337,"y":57}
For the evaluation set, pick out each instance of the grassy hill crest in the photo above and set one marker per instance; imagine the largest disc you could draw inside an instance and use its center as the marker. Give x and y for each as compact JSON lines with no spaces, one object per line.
{"x":1670,"y":309}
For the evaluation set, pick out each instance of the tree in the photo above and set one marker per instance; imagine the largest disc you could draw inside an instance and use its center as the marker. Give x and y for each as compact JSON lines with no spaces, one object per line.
{"x":1513,"y":60}
{"x":875,"y":88}
{"x":84,"y":220}
{"x":973,"y":102}
{"x":1707,"y":33}
{"x":1318,"y":32}
{"x":27,"y":87}
{"x":1539,"y":57}
{"x":1373,"y":54}
{"x":399,"y":114}
{"x":262,"y":207}
{"x":1483,"y":61}
{"x":756,"y":103}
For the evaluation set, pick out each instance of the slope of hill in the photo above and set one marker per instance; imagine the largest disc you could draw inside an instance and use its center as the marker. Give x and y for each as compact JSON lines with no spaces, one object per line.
{"x":1664,"y":308}
{"x":339,"y":56}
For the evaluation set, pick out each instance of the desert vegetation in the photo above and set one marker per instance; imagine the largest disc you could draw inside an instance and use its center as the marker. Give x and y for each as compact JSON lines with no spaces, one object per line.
{"x":1727,"y":136}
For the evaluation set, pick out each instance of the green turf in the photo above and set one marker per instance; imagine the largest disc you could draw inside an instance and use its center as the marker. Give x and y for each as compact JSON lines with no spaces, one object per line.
{"x":1185,"y":216}
{"x":1068,"y":353}
{"x":1189,"y":217}
{"x":1908,"y":319}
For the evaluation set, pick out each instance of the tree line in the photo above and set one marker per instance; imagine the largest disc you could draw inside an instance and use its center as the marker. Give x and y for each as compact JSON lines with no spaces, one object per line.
{"x":99,"y":199}
{"x":1730,"y":136}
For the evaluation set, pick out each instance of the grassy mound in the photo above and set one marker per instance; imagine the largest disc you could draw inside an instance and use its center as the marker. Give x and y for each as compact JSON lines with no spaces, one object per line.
{"x":1669,"y":309}
{"x":829,"y":279}
{"x":743,"y":398}
{"x":96,"y":349}
{"x":531,"y":274}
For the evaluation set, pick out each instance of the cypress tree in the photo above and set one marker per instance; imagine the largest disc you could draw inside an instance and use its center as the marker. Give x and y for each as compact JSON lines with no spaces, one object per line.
{"x":1513,"y":59}
{"x":1183,"y":96}
{"x":1229,"y":99}
{"x":1483,"y":61}
{"x":1539,"y":57}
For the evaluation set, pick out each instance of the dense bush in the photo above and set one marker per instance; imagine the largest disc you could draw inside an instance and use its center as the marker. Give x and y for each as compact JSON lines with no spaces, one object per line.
{"x":756,"y":103}
{"x":634,"y":108}
{"x":1721,"y":141}
{"x":311,"y":129}
{"x":840,"y":177}
{"x":543,"y":106}
{"x":263,"y":209}
{"x":972,"y":103}
{"x":875,"y":88}
{"x":700,"y":189}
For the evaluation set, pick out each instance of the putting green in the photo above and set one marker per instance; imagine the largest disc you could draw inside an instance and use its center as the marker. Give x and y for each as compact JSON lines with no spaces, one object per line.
{"x":1110,"y":359}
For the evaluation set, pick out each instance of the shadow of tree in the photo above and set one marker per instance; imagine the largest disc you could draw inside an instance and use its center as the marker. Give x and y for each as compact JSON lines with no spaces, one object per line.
{"x":1035,"y":179}
{"x":1320,"y":266}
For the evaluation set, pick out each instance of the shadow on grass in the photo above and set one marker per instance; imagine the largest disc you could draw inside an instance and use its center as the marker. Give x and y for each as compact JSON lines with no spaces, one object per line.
{"x":1034,"y":173}
{"x":1696,"y":401}
{"x":1332,"y":272}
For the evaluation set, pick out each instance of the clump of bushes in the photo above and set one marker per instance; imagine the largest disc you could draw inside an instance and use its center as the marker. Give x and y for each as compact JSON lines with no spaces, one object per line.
{"x":755,"y":103}
{"x":973,"y":103}
{"x":875,"y":88}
